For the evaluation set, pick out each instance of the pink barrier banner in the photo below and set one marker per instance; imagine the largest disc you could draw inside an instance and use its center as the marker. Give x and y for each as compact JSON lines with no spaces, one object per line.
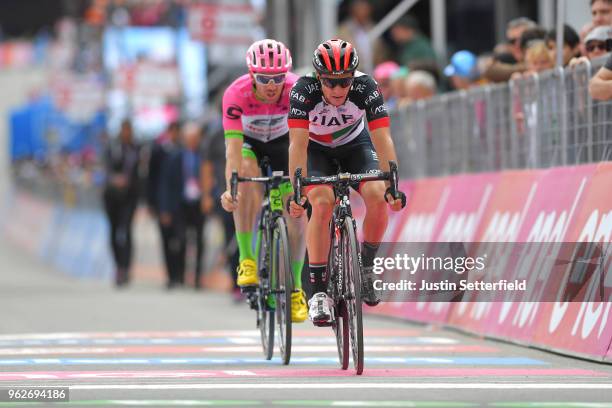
{"x":584,"y":326}
{"x":546,"y":221}
{"x":501,"y":222}
{"x":467,"y":202}
{"x":539,"y":211}
{"x":426,"y":201}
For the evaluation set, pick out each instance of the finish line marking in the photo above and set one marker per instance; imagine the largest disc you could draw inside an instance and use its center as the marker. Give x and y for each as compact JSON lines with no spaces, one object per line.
{"x":302,"y":373}
{"x":409,"y":386}
{"x":482,"y":361}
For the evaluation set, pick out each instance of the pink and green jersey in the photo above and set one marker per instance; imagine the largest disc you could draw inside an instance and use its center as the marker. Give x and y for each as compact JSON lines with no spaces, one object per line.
{"x":245,"y":115}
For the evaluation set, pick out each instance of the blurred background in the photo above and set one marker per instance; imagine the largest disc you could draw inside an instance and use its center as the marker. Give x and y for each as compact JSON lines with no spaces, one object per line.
{"x":456,"y":74}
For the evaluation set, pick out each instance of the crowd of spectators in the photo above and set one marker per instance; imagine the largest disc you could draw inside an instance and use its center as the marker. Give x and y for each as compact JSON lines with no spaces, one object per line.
{"x":410,"y":71}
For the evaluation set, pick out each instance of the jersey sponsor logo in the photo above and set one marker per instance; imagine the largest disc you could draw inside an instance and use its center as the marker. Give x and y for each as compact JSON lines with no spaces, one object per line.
{"x":324,"y":120}
{"x":374,"y":155}
{"x":379,"y":109}
{"x":372,"y":97}
{"x":359,"y":87}
{"x":234,"y":112}
{"x":297,"y":96}
{"x":267,"y":121}
{"x":298,"y":112}
{"x":314,"y":87}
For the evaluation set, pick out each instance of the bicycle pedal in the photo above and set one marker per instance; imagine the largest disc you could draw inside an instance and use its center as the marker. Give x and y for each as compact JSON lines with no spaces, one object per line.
{"x":248,"y":289}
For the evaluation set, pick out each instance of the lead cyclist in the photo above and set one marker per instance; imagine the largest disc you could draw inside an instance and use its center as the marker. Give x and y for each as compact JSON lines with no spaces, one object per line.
{"x":255,"y":109}
{"x":328,"y":132}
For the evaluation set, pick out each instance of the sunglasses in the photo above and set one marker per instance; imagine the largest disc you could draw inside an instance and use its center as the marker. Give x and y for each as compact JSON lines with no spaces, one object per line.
{"x":513,"y":41}
{"x":265,"y":79}
{"x":602,"y":46}
{"x":333,"y":82}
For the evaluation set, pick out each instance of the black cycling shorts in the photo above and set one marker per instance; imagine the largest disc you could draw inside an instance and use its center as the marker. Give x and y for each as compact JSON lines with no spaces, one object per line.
{"x":357,"y":156}
{"x":277,"y":152}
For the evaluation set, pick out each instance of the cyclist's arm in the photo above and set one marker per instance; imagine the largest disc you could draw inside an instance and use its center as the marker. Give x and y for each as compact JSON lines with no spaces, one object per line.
{"x":378,"y":122}
{"x":301,"y":102}
{"x":298,"y":150}
{"x":600,"y":86}
{"x":233,"y":157}
{"x":232,"y":128}
{"x":383,"y":143}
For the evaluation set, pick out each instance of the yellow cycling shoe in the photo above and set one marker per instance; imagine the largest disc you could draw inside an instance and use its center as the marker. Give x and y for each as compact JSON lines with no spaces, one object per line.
{"x":299,"y":310}
{"x":247,"y":273}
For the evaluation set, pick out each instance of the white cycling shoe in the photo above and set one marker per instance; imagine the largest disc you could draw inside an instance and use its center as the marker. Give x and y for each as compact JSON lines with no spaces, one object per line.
{"x":320,"y":309}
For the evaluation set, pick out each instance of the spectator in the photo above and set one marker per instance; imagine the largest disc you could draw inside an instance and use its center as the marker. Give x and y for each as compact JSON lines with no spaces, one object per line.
{"x":503,"y":53}
{"x":597,"y":43}
{"x":571,"y":44}
{"x":584,"y":31}
{"x":192,"y":214}
{"x":213,"y":185}
{"x":120,"y":198}
{"x":419,"y":85}
{"x":355,"y":30}
{"x":600,"y":86}
{"x":463,"y":70}
{"x":538,"y":58}
{"x":383,"y":74}
{"x":413,"y":46}
{"x":500,"y":72}
{"x":530,"y":36}
{"x":601,"y":12}
{"x":165,"y":192}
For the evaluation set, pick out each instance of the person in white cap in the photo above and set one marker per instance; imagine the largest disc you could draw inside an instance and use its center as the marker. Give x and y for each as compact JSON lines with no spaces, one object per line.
{"x":600,"y":86}
{"x":597,"y":43}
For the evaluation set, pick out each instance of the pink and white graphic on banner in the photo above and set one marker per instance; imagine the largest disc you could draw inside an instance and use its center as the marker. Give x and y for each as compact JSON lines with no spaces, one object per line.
{"x":544,"y":227}
{"x":499,"y":227}
{"x":580,"y":320}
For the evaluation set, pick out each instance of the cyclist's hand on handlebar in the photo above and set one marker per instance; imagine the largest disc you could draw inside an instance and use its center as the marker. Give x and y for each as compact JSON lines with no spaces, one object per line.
{"x":227,"y":203}
{"x":297,"y":210}
{"x":396,"y":204}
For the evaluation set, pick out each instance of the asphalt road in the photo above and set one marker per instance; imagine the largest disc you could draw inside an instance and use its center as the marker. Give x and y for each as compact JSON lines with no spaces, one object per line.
{"x":145,"y":346}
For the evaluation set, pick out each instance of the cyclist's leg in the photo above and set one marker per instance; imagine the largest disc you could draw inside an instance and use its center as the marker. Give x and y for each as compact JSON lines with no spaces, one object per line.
{"x":322,"y":201}
{"x":277,"y":152}
{"x":361,"y":158}
{"x":244,"y":217}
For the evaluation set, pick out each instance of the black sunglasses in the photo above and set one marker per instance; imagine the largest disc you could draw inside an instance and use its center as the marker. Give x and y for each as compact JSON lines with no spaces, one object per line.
{"x":602,"y":46}
{"x":513,"y":41}
{"x":333,"y":82}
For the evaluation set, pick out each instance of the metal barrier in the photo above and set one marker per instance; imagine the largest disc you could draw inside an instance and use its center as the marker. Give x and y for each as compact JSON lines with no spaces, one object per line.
{"x":544,"y":120}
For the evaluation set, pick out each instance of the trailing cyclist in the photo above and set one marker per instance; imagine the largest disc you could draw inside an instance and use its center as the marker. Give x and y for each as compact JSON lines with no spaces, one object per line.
{"x":255,"y":109}
{"x":328,"y":109}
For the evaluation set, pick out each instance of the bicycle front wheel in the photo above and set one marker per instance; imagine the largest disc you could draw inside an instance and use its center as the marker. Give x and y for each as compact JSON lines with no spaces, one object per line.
{"x":282,"y":277}
{"x":266,"y":312}
{"x":352,"y":279}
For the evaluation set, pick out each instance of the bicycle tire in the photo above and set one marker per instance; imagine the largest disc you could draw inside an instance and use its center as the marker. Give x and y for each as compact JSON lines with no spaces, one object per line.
{"x":266,"y":316}
{"x":340,"y":325}
{"x":341,"y":330}
{"x":282,"y":277}
{"x":352,"y":279}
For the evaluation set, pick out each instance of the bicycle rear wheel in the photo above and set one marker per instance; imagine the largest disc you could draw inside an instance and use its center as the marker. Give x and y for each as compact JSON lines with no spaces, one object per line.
{"x":282,"y":282}
{"x":265,"y":313}
{"x":352,"y":279}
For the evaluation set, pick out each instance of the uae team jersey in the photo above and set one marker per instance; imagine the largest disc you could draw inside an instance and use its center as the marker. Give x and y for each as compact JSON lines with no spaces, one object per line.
{"x":245,"y":115}
{"x":331,"y":125}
